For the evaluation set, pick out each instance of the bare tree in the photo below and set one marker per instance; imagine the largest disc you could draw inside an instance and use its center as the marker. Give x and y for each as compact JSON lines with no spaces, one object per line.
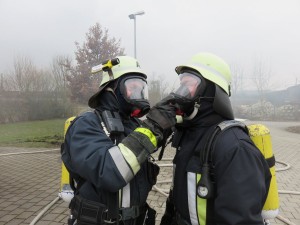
{"x":237,"y":79}
{"x":35,"y":91}
{"x":2,"y":82}
{"x":296,"y":80}
{"x":61,"y":68}
{"x":261,"y":78}
{"x":25,"y":77}
{"x":21,"y":75}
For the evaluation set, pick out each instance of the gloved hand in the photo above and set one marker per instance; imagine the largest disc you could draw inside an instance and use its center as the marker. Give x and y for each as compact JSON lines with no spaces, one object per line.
{"x":160,"y":119}
{"x":162,"y":115}
{"x":148,"y":138}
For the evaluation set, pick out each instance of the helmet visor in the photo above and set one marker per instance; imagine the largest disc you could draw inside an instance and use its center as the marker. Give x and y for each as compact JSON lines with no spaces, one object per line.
{"x":189,"y":85}
{"x":136,"y":89}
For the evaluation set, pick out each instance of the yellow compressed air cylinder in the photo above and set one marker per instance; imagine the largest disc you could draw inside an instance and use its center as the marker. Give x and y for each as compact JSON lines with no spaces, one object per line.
{"x":261,"y":137}
{"x":66,"y":192}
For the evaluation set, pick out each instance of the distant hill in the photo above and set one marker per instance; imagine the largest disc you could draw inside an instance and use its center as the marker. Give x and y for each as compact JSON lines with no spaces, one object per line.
{"x":291,"y":95}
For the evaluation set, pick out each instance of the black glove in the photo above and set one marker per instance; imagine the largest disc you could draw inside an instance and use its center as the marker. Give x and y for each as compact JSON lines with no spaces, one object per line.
{"x":162,"y":115}
{"x":160,"y":119}
{"x":141,"y":141}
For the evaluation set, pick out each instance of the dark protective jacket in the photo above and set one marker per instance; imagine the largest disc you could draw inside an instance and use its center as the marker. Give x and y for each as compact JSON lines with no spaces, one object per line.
{"x":240,"y":173}
{"x":92,"y":159}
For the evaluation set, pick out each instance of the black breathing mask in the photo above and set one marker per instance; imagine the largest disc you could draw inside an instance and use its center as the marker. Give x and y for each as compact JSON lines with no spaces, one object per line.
{"x":134,"y":94}
{"x":188,"y":93}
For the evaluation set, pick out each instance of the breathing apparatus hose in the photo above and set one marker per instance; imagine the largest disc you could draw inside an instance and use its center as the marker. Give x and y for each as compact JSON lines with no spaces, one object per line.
{"x":287,"y":166}
{"x":47,"y":207}
{"x":155,"y":188}
{"x":33,"y":152}
{"x":44,"y":211}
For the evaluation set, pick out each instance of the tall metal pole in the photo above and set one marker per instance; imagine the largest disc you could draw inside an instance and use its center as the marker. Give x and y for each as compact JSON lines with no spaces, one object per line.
{"x":133,"y":16}
{"x":135,"y":37}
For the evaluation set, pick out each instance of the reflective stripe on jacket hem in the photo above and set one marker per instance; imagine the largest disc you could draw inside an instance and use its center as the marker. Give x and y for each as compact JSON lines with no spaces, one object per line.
{"x":197,"y":205}
{"x":125,"y":196}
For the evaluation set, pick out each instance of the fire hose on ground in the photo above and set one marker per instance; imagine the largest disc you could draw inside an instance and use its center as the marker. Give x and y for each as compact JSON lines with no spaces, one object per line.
{"x":155,"y":188}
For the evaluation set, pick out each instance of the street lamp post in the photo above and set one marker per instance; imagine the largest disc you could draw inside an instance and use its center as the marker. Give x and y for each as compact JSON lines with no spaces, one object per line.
{"x":133,"y":16}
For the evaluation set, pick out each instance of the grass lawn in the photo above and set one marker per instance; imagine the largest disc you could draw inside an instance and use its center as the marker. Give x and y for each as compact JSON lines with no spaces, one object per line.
{"x":33,"y":134}
{"x":44,"y":134}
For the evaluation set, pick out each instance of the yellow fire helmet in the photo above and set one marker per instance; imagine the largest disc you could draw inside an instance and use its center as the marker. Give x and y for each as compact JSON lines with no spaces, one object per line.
{"x":111,"y":71}
{"x":211,"y":67}
{"x":216,"y":70}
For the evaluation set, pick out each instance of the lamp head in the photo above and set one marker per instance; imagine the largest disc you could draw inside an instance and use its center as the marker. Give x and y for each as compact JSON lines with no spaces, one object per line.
{"x":139,"y":13}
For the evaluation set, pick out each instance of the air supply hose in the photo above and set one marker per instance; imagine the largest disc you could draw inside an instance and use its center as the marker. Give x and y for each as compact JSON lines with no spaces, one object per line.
{"x":44,"y":211}
{"x":155,"y":188}
{"x":36,"y":219}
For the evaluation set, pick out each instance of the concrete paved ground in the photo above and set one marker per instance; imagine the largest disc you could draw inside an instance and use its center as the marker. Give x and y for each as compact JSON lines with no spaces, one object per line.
{"x":29,"y":182}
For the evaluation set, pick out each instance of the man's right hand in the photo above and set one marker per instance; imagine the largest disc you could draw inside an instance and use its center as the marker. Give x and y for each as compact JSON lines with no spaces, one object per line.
{"x":148,"y":138}
{"x":163,"y":116}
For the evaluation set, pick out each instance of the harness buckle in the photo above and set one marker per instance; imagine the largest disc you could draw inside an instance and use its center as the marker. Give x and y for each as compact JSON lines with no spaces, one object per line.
{"x":132,"y":212}
{"x":109,"y":220}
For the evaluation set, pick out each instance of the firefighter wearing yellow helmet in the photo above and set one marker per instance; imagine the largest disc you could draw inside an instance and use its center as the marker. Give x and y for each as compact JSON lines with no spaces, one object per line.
{"x":107,"y":151}
{"x":216,"y":181}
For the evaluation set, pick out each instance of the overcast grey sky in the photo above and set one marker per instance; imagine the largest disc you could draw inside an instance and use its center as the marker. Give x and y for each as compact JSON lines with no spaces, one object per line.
{"x":242,"y":32}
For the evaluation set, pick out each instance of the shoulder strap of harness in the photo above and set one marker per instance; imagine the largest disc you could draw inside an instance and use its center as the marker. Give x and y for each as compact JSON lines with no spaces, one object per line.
{"x":221,"y":127}
{"x":205,"y":185}
{"x":232,"y":123}
{"x":112,"y":198}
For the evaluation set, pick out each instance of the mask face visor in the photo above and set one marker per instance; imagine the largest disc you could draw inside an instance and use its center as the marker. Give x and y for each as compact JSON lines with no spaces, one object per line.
{"x":189,"y":86}
{"x":135,"y":89}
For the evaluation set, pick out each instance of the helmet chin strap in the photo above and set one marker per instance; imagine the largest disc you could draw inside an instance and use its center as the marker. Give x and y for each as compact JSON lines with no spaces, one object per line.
{"x":194,"y":113}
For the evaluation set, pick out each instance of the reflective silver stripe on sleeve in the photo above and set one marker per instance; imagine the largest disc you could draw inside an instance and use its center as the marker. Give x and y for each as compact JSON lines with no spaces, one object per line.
{"x":121,"y":163}
{"x":192,"y":195}
{"x":126,"y":196}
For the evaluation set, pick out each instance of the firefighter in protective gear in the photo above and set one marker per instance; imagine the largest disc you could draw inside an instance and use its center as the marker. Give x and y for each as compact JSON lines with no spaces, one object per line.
{"x":239,"y":173}
{"x":107,"y":151}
